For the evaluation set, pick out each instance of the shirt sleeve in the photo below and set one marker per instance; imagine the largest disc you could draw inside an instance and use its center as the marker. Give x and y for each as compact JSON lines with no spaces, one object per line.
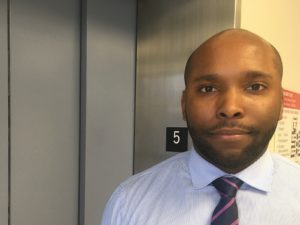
{"x":114,"y":210}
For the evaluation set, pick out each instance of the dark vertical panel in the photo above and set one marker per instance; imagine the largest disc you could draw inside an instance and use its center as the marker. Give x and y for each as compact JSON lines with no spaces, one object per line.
{"x":82,"y":153}
{"x":44,"y":111}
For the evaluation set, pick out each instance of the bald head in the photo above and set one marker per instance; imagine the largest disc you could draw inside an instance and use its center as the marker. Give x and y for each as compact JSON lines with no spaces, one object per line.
{"x":234,"y":38}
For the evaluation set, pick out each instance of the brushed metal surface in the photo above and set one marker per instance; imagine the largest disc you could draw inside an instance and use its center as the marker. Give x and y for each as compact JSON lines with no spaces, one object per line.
{"x":3,"y":112}
{"x":44,"y":111}
{"x":109,"y":100}
{"x":167,"y":33}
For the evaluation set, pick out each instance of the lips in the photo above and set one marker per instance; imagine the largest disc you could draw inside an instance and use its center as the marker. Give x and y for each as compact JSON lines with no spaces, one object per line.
{"x":230,"y":134}
{"x":230,"y":131}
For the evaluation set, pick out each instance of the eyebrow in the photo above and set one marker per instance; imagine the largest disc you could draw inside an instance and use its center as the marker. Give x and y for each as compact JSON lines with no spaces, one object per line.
{"x":257,"y":74}
{"x":252,"y":74}
{"x":207,"y":77}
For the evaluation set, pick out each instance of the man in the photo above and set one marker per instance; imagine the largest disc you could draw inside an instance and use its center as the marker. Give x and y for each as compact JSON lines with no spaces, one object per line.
{"x":231,"y":103}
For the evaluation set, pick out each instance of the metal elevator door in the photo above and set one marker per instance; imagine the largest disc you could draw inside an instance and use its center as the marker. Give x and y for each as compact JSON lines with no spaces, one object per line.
{"x":167,"y":33}
{"x":40,"y":78}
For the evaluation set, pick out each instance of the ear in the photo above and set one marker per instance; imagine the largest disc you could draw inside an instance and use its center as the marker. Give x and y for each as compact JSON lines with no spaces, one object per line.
{"x":183,"y":102}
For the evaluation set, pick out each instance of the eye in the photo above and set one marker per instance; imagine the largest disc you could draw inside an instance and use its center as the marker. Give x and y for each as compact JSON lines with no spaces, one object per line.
{"x":256,"y":87}
{"x":207,"y":89}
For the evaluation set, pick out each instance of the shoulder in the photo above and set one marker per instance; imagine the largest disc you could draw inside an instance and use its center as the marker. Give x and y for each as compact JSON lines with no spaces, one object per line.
{"x":158,"y":173}
{"x":286,"y":171}
{"x":141,"y":192}
{"x":286,"y":164}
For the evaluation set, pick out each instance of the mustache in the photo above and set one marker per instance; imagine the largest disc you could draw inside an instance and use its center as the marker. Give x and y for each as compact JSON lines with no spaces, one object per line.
{"x":232,"y":125}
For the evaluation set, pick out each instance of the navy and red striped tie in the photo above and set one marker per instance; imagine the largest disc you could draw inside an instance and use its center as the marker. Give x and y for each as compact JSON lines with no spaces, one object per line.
{"x":226,"y":212}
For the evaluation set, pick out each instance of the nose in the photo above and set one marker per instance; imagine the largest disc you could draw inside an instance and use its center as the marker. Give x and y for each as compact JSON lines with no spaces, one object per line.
{"x":230,"y":105}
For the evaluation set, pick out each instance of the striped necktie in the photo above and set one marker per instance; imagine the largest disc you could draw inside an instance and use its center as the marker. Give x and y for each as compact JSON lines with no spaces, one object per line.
{"x":226,"y":212}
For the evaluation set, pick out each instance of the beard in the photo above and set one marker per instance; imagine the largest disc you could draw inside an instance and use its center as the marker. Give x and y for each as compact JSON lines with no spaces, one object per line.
{"x":228,"y":161}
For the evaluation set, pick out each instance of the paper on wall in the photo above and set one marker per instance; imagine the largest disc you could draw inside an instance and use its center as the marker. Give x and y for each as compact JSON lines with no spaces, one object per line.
{"x":287,"y":135}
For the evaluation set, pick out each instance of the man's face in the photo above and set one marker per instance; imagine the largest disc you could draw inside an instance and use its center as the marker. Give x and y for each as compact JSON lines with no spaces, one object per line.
{"x":232,"y":102}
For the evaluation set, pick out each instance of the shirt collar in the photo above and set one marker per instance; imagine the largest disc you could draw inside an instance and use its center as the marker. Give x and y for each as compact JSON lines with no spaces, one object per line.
{"x":202,"y":171}
{"x":258,"y":175}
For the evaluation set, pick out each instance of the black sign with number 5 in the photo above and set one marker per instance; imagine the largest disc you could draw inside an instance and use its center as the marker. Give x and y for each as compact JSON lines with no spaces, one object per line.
{"x":176,"y":139}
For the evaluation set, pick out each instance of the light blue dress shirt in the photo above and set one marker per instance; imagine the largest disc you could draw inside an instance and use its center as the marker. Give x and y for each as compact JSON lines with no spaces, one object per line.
{"x":178,"y":191}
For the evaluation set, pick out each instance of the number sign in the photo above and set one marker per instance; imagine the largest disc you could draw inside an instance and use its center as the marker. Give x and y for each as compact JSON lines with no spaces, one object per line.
{"x":176,"y":139}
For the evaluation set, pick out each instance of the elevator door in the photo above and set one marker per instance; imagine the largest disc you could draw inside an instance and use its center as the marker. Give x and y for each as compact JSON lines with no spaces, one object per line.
{"x":40,"y":106}
{"x":167,"y":33}
{"x":3,"y":114}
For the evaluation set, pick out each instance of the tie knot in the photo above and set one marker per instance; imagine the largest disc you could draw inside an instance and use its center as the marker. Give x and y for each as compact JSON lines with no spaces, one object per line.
{"x":227,"y":186}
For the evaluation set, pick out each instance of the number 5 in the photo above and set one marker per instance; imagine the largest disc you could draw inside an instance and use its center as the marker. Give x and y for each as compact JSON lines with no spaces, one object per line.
{"x":176,"y":137}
